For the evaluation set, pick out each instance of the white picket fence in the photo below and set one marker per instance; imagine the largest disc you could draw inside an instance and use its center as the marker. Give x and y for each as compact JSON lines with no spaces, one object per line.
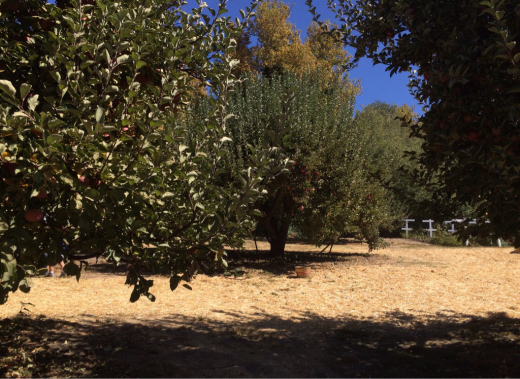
{"x":431,"y":230}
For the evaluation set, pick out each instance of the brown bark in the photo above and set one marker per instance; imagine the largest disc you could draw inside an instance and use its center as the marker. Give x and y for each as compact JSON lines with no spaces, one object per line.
{"x":277,"y":228}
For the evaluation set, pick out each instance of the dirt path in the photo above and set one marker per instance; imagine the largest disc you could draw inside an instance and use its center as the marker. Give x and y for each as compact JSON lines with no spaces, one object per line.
{"x":409,"y":310}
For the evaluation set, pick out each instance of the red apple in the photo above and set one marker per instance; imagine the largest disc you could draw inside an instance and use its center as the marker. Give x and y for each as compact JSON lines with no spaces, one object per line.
{"x":511,"y":150}
{"x":46,"y":24}
{"x":9,"y":182}
{"x":95,"y":183}
{"x":411,"y":11}
{"x":42,"y":194}
{"x":115,"y":65}
{"x":13,"y":5}
{"x":389,"y":34}
{"x":33,"y":215}
{"x":444,"y":78}
{"x":84,"y":181}
{"x":123,"y":83}
{"x":37,"y":133}
{"x":442,"y":124}
{"x":467,"y":118}
{"x":10,"y":167}
{"x":427,"y":75}
{"x":473,"y":135}
{"x":142,"y":79}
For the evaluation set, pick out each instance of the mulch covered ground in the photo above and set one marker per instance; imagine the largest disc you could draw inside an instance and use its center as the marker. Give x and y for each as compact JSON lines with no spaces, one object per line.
{"x":409,"y":310}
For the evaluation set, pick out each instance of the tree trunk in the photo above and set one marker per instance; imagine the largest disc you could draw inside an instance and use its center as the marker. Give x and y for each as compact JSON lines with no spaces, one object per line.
{"x":277,"y":228}
{"x":278,"y":243}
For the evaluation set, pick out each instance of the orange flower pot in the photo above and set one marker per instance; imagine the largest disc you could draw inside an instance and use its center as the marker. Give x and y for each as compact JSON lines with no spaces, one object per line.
{"x":303,"y":271}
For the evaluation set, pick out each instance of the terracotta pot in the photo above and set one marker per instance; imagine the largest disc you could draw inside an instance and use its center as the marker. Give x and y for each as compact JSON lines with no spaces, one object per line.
{"x":303,"y":271}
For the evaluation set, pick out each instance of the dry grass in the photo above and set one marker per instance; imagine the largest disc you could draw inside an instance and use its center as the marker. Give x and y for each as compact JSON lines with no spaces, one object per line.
{"x":384,"y":304}
{"x":418,"y":279}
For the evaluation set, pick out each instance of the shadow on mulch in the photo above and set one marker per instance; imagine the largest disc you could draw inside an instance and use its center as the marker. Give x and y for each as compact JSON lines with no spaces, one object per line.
{"x":304,"y":346}
{"x":262,"y":260}
{"x":257,"y":260}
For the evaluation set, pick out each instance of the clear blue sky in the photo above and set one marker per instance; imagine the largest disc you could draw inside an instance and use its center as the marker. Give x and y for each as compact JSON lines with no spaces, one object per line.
{"x":375,"y":81}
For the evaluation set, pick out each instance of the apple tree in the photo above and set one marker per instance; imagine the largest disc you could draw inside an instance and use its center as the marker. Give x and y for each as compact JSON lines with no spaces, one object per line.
{"x":464,"y":57}
{"x":329,"y":190}
{"x":95,"y":159}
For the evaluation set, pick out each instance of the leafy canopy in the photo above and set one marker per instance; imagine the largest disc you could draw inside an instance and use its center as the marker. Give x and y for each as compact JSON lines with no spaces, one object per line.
{"x":95,"y":154}
{"x":464,"y":61}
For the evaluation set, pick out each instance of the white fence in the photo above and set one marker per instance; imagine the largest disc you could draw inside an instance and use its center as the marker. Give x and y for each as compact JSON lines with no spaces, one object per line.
{"x":431,"y":230}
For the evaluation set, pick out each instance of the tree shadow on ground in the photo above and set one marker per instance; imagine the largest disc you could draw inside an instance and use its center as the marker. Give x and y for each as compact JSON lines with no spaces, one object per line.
{"x":262,"y":345}
{"x":256,"y":260}
{"x":262,"y":260}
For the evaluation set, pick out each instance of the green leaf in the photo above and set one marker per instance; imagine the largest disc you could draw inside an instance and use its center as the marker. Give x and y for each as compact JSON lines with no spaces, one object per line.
{"x":4,"y":226}
{"x":174,"y":282}
{"x":7,"y":87}
{"x":140,"y":64}
{"x":55,"y":123}
{"x":187,"y":286}
{"x":123,"y":59}
{"x":67,"y":179}
{"x":52,"y":138}
{"x":56,"y":75}
{"x":24,"y":90}
{"x":100,"y":115}
{"x":135,"y":295}
{"x":25,"y":285}
{"x":72,"y":269}
{"x":92,"y":194}
{"x":21,"y":114}
{"x":33,"y":102}
{"x":30,"y":270}
{"x":108,"y":128}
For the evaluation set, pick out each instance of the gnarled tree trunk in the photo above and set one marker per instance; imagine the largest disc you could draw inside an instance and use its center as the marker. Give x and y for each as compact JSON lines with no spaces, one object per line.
{"x":276,"y":223}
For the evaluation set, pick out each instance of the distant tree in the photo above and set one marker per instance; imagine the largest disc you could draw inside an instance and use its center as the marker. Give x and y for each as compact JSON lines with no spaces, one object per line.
{"x":328,"y":50}
{"x":279,"y":46}
{"x":243,"y":54}
{"x":328,"y":191}
{"x":386,"y":139}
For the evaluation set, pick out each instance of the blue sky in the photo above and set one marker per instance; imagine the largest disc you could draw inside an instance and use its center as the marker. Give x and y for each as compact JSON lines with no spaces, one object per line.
{"x":375,"y":81}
